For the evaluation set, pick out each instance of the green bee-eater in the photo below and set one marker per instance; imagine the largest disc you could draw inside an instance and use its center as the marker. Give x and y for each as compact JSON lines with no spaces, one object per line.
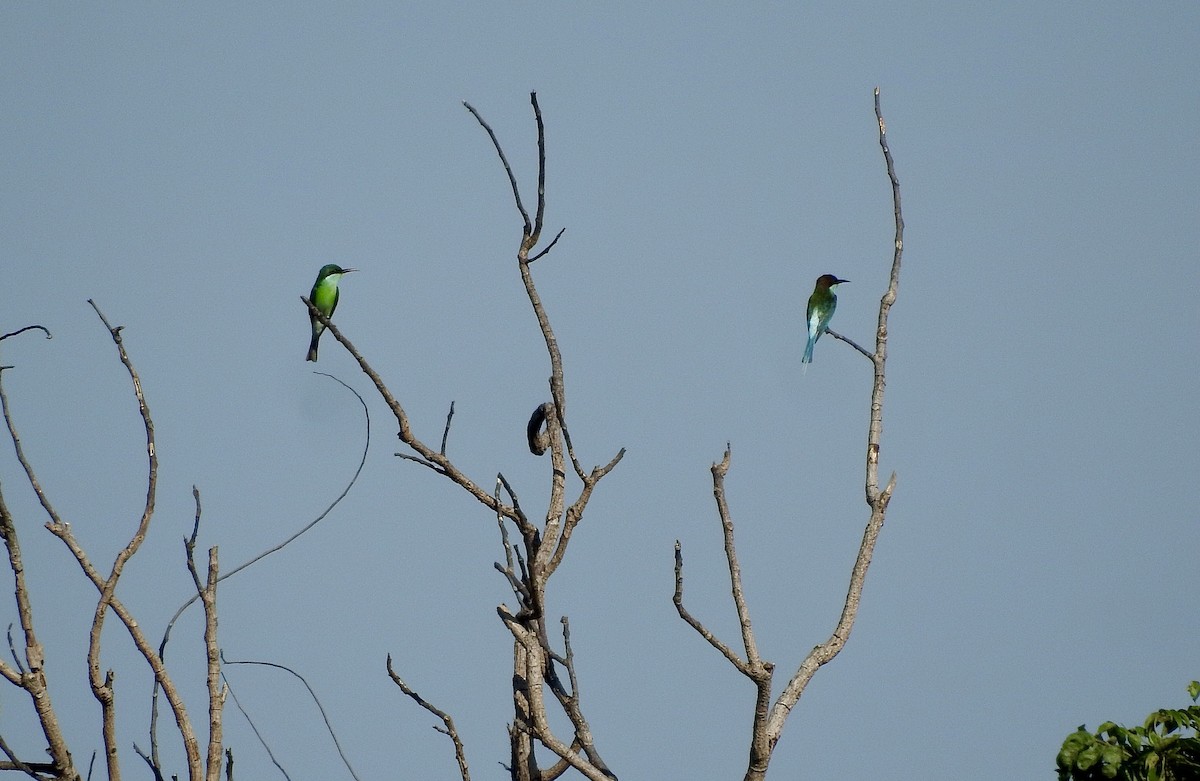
{"x":324,"y":296}
{"x":821,"y":304}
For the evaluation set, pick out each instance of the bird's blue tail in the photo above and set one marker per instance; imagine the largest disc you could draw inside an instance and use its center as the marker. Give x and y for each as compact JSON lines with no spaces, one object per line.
{"x":808,"y":351}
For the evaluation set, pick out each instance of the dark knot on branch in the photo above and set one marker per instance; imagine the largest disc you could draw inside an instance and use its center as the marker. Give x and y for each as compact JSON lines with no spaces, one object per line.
{"x":536,"y":431}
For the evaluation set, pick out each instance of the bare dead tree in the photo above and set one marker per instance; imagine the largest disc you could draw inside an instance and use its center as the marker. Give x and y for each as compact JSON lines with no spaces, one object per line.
{"x":29,"y":674}
{"x":544,"y":681}
{"x":531,"y":562}
{"x":768,"y":718}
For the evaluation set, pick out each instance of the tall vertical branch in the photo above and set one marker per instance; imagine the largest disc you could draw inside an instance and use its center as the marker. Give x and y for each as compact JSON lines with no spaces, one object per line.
{"x":768,"y":720}
{"x":875,"y":431}
{"x":207,"y":593}
{"x":534,"y":660}
{"x":106,"y":586}
{"x":102,"y":686}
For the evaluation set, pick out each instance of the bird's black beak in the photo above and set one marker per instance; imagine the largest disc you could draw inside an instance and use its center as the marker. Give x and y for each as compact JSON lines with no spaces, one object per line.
{"x":348,"y":270}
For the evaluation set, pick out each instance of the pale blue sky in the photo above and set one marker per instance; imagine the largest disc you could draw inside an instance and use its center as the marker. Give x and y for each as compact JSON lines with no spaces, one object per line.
{"x":191,"y":167}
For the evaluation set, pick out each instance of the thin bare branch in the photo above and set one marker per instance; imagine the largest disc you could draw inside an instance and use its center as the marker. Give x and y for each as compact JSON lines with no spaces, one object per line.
{"x":574,"y":513}
{"x":870,"y":356}
{"x":735,"y":571}
{"x":155,"y":770}
{"x":29,"y":769}
{"x":446,"y":431}
{"x":826,"y":651}
{"x":41,"y":328}
{"x":522,"y":520}
{"x":276,"y":548}
{"x":512,"y":179}
{"x":20,"y":666}
{"x":569,"y":660}
{"x":189,"y":545}
{"x":752,"y":666}
{"x":315,"y":699}
{"x":541,"y":203}
{"x":254,"y":727}
{"x":550,"y":246}
{"x":695,"y":623}
{"x":421,"y":461}
{"x":517,"y":584}
{"x":449,"y":729}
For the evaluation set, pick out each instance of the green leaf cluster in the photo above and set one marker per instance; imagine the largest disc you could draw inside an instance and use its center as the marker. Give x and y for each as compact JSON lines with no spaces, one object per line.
{"x":1166,"y":747}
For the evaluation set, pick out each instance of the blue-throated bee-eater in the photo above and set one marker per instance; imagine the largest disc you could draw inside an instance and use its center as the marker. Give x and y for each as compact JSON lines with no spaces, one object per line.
{"x":821,"y":305}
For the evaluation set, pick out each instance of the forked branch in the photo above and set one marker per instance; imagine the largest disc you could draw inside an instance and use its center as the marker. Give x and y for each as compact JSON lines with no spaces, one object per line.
{"x":105,"y":585}
{"x":544,"y":547}
{"x":448,"y":729}
{"x":769,"y":719}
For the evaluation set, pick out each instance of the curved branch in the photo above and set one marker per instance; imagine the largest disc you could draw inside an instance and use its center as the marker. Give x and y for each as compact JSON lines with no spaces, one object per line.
{"x":276,"y":548}
{"x":536,"y":436}
{"x":102,"y":686}
{"x":162,"y":646}
{"x":254,"y":728}
{"x":41,"y":328}
{"x":512,"y":179}
{"x":328,"y":726}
